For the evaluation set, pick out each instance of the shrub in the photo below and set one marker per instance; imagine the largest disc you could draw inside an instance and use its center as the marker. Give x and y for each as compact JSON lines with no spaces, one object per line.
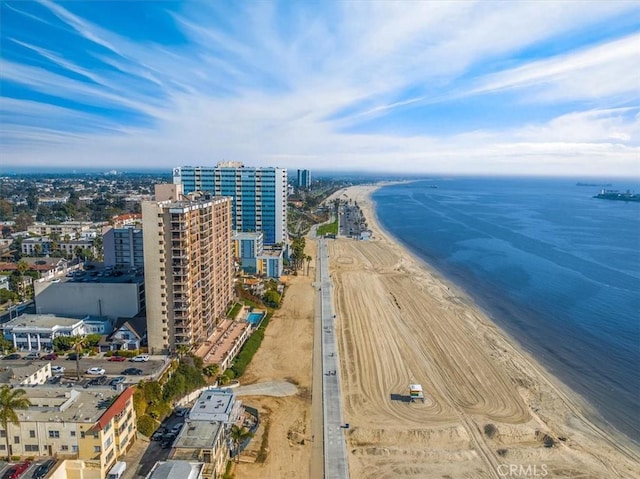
{"x":490,"y":430}
{"x":147,"y":425}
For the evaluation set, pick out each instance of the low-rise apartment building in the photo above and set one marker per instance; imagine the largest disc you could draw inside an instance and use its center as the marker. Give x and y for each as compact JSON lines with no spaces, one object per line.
{"x":95,"y":427}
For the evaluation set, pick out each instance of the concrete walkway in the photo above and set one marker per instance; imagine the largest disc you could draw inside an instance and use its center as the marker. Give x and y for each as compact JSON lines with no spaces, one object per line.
{"x":336,"y":465}
{"x":268,"y":388}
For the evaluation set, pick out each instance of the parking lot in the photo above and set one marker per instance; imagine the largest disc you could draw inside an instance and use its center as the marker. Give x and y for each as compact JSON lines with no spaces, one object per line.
{"x":5,"y":467}
{"x":150,"y":368}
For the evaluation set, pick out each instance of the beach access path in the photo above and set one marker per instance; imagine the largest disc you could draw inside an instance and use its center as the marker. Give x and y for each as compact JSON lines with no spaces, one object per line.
{"x":336,"y":465}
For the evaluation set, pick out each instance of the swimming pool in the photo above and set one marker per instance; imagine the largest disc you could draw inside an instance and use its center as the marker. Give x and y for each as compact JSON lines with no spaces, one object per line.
{"x":255,"y":318}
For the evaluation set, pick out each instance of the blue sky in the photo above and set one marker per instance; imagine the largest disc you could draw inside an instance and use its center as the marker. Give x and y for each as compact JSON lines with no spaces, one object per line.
{"x":540,"y":87}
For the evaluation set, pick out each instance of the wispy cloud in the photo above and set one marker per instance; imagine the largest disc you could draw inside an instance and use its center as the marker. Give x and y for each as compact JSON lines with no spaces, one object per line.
{"x":300,"y":84}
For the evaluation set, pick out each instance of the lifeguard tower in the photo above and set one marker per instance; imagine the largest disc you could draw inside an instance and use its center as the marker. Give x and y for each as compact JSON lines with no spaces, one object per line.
{"x":415,"y":392}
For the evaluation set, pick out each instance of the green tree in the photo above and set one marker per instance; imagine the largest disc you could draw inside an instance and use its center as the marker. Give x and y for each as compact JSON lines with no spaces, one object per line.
{"x":23,"y":221}
{"x":10,"y":401}
{"x":22,"y":267}
{"x":211,"y":370}
{"x":238,"y":435}
{"x":6,"y":210}
{"x":78,"y":344}
{"x":271,"y":298}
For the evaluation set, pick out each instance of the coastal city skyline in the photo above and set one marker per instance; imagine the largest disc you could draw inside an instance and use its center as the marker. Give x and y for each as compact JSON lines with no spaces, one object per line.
{"x":428,"y":87}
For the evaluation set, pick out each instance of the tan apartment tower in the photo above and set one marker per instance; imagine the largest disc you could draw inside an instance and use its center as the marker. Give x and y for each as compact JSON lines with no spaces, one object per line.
{"x":188,"y":266}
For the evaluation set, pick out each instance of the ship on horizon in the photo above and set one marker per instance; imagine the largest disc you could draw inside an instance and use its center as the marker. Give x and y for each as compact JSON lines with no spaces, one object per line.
{"x":617,"y":195}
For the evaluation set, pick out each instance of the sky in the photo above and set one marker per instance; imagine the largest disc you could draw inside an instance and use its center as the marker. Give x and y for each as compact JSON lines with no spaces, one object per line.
{"x":430,"y":87}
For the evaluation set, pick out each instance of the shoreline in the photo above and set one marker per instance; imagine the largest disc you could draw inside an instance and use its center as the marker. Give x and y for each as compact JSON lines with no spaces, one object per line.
{"x":529,"y":354}
{"x":549,"y":404}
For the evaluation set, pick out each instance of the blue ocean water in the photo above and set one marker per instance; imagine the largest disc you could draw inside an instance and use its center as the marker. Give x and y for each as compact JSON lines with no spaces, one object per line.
{"x":556,"y":268}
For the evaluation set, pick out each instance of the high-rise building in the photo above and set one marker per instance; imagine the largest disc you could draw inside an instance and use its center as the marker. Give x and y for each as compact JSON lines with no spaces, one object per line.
{"x":123,"y":247}
{"x":188,"y":266}
{"x":259,"y":195}
{"x":304,"y":179}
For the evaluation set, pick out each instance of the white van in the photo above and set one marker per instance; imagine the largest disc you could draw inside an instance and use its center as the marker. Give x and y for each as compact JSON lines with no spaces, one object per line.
{"x":117,"y":470}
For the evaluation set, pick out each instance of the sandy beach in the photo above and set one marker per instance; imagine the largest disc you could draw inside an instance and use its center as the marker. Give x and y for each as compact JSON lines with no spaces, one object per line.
{"x":489,"y":410}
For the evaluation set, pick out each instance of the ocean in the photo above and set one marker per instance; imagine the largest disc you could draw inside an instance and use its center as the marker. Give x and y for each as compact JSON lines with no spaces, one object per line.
{"x":554,"y":267}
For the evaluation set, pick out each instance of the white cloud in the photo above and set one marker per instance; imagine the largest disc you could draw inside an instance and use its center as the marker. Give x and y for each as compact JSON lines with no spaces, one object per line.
{"x":210,"y":101}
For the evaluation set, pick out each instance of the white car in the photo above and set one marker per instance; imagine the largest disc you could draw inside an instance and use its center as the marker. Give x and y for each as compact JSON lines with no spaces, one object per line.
{"x":96,"y":371}
{"x":141,"y":358}
{"x":57,"y":369}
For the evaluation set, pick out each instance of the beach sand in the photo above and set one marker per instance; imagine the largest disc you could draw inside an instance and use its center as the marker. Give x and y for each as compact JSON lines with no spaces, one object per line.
{"x":489,"y":406}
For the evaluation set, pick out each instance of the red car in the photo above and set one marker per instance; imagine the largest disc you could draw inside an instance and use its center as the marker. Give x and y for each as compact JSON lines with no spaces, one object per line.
{"x":16,"y":471}
{"x":117,"y":358}
{"x":49,"y":357}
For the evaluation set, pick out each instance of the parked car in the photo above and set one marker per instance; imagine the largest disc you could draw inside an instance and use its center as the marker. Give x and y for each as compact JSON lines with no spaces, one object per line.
{"x":33,"y":355}
{"x":99,"y":381}
{"x":176,"y":429}
{"x":49,"y":357}
{"x":73,"y":356}
{"x":117,"y":358}
{"x":42,"y":470}
{"x":157,"y":436}
{"x":132,"y":372}
{"x":12,"y":356}
{"x":17,"y":470}
{"x":57,"y":369}
{"x":140,"y":358}
{"x":96,"y":371}
{"x":118,"y":380}
{"x":181,"y":412}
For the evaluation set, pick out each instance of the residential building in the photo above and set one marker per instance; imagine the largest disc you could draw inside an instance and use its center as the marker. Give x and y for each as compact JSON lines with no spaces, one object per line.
{"x":36,"y":332}
{"x":99,"y":292}
{"x":188,"y":266}
{"x":123,"y":247}
{"x":254,"y":258}
{"x":177,"y":469}
{"x":205,"y":435}
{"x":74,"y":424}
{"x":27,"y":374}
{"x":71,"y":228}
{"x":39,"y":246}
{"x":304,"y":179}
{"x":259,"y":195}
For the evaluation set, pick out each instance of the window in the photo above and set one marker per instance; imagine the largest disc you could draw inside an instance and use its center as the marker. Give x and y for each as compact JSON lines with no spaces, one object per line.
{"x":16,"y":439}
{"x":82,"y":434}
{"x":97,"y":449}
{"x":31,"y":448}
{"x":54,"y":434}
{"x":74,"y":448}
{"x":3,"y":433}
{"x":73,"y":434}
{"x":64,"y":447}
{"x":32,"y":433}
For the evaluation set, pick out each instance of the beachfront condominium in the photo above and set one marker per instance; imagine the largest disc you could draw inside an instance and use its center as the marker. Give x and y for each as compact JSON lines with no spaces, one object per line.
{"x":259,"y":195}
{"x":304,"y":179}
{"x":188,"y":269}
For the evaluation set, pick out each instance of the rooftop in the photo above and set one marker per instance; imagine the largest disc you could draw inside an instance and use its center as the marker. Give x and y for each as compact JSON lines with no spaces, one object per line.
{"x":213,"y":405}
{"x":59,"y":403}
{"x":45,"y":321}
{"x":198,"y":435}
{"x":173,"y":469}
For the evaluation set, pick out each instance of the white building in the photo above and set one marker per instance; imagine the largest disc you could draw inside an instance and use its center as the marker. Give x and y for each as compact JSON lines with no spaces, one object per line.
{"x":36,"y":332}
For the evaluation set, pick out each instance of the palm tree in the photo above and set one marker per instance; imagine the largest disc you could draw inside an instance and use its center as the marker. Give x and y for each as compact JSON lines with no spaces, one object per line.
{"x":211,"y":370}
{"x":10,"y":400}
{"x":238,"y":435}
{"x":78,"y":344}
{"x":308,"y":258}
{"x":182,"y":350}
